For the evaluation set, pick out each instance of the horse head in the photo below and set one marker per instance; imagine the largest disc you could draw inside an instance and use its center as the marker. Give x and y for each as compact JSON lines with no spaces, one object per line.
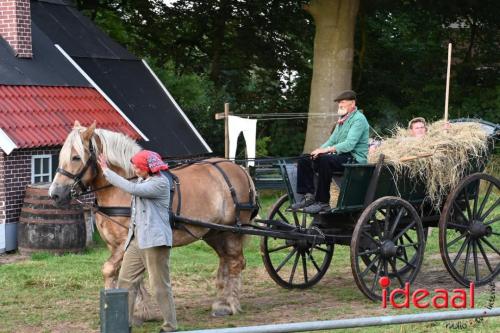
{"x":77,"y":165}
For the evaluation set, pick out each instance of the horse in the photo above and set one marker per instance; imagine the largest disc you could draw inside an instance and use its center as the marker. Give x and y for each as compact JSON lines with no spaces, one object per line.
{"x":216,"y":183}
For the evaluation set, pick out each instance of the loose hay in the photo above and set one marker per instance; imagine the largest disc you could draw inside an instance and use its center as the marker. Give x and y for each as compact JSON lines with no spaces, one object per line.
{"x":334,"y":194}
{"x":454,"y":152}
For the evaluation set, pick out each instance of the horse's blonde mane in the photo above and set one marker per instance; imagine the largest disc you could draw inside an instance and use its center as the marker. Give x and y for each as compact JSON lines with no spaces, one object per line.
{"x":117,"y":147}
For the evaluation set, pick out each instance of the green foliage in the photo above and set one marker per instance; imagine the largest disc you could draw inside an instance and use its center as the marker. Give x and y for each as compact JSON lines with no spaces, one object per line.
{"x":199,"y":99}
{"x":402,"y":74}
{"x":40,"y":256}
{"x":209,"y":52}
{"x":261,"y":146}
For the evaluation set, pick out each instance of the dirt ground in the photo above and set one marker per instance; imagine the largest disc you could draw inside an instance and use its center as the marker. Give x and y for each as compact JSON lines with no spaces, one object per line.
{"x":263,"y":302}
{"x":8,"y":258}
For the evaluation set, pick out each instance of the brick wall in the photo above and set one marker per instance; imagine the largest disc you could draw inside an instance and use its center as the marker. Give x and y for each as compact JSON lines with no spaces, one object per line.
{"x":17,"y":170}
{"x":2,"y":188}
{"x":15,"y":26}
{"x":15,"y":175}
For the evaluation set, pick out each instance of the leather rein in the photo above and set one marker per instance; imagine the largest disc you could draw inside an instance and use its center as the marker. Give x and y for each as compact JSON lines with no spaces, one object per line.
{"x":79,"y":188}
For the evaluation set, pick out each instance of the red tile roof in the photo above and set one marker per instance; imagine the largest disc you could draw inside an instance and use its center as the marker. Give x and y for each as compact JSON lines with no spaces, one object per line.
{"x":35,"y":116}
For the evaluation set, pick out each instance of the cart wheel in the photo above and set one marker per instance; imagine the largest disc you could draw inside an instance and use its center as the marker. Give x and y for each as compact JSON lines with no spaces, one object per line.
{"x":404,"y":268}
{"x":469,"y":230}
{"x":388,"y":240}
{"x":294,"y":263}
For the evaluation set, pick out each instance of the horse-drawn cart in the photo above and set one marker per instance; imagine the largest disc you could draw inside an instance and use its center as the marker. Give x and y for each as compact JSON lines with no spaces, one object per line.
{"x":384,"y":220}
{"x":381,"y":214}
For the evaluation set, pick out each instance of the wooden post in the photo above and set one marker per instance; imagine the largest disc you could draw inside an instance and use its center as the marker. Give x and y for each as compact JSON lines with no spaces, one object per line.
{"x":447,"y":85}
{"x":226,"y":130}
{"x":114,"y":311}
{"x":225,"y":115}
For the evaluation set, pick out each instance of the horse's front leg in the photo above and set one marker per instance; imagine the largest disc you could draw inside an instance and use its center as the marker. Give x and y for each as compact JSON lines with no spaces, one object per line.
{"x":229,"y":247}
{"x":111,"y":267}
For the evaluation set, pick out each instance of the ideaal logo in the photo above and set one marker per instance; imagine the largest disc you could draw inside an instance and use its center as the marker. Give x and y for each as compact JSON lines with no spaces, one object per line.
{"x":421,"y":298}
{"x":467,"y":324}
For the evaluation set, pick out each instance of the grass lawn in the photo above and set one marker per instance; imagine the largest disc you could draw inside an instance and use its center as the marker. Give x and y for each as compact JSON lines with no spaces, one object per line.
{"x":47,"y":293}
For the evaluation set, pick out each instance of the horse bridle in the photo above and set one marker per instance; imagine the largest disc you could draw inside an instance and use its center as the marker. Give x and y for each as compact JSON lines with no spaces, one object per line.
{"x":78,"y":184}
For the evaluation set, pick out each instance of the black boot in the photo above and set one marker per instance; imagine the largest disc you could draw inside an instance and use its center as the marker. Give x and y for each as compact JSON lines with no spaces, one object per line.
{"x":306,"y":201}
{"x":317,"y":207}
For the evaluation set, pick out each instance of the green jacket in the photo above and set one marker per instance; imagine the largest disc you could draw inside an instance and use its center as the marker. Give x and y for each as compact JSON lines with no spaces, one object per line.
{"x":351,"y":137}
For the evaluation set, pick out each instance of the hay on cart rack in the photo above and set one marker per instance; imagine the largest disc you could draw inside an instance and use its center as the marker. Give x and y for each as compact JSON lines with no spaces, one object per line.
{"x":454,"y":152}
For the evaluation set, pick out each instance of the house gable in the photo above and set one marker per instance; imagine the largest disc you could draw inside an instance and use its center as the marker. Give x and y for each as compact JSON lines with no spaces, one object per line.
{"x":125,"y":79}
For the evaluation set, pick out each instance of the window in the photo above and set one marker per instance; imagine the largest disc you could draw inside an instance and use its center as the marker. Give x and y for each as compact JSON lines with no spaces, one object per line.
{"x":41,"y":168}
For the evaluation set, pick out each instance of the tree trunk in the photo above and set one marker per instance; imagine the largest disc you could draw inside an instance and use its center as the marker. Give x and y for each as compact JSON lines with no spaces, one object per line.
{"x":218,"y":41}
{"x":335,"y":22}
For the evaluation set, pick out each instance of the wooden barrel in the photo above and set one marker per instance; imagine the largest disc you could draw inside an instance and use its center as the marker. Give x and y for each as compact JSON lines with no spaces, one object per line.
{"x":43,"y":227}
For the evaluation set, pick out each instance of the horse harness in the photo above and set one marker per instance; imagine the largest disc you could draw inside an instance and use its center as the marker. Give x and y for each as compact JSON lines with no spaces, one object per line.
{"x":112,"y":211}
{"x":91,"y":162}
{"x":250,"y":205}
{"x":83,"y":188}
{"x":175,"y":187}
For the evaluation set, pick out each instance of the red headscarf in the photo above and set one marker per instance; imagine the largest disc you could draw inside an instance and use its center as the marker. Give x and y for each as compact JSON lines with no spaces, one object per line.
{"x":150,"y":161}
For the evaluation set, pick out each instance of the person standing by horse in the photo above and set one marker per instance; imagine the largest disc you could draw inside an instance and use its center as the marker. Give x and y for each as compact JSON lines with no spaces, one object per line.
{"x":149,"y":240}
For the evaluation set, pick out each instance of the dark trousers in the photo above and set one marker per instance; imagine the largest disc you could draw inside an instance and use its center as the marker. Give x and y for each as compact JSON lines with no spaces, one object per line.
{"x":325,"y":165}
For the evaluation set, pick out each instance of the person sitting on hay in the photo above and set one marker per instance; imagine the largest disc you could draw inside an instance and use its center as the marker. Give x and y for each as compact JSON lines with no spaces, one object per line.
{"x":417,"y":128}
{"x":348,"y":143}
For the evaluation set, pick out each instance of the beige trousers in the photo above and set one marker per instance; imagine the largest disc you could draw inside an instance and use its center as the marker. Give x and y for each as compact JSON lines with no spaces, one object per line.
{"x":156,"y":261}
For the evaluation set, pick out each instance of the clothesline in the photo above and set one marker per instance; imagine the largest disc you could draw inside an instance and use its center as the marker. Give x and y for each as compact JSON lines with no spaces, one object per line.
{"x":284,"y":116}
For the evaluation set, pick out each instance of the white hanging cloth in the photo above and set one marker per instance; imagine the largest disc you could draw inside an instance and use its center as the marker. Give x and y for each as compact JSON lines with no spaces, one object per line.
{"x":236,"y":125}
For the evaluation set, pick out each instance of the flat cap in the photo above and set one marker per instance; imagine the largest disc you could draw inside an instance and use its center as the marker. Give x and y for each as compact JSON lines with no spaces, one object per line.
{"x":346,"y":95}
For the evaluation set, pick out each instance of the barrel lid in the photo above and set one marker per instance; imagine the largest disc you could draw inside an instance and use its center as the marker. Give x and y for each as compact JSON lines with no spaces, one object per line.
{"x":43,"y":186}
{"x":38,"y":189}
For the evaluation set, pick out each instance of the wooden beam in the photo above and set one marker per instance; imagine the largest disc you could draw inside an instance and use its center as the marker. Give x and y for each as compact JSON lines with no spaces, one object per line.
{"x":226,"y":130}
{"x":447,"y":95}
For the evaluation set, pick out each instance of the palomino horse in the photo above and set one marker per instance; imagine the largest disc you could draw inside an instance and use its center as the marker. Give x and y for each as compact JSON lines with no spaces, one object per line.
{"x":205,"y":196}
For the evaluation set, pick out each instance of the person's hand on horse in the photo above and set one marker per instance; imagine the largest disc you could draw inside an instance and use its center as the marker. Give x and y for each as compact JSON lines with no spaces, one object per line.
{"x":103,"y":162}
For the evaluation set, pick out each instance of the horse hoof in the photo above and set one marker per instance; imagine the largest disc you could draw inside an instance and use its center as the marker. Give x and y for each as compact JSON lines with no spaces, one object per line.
{"x":221,"y":313}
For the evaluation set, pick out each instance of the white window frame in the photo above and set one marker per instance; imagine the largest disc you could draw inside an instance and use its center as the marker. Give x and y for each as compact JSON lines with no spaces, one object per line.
{"x":43,"y":174}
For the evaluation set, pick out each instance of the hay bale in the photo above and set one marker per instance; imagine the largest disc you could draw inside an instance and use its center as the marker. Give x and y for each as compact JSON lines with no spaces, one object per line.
{"x":334,"y":194}
{"x":451,"y":153}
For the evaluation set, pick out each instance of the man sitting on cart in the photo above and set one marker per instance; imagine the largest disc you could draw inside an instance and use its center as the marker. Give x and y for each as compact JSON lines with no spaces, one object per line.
{"x":347,"y":144}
